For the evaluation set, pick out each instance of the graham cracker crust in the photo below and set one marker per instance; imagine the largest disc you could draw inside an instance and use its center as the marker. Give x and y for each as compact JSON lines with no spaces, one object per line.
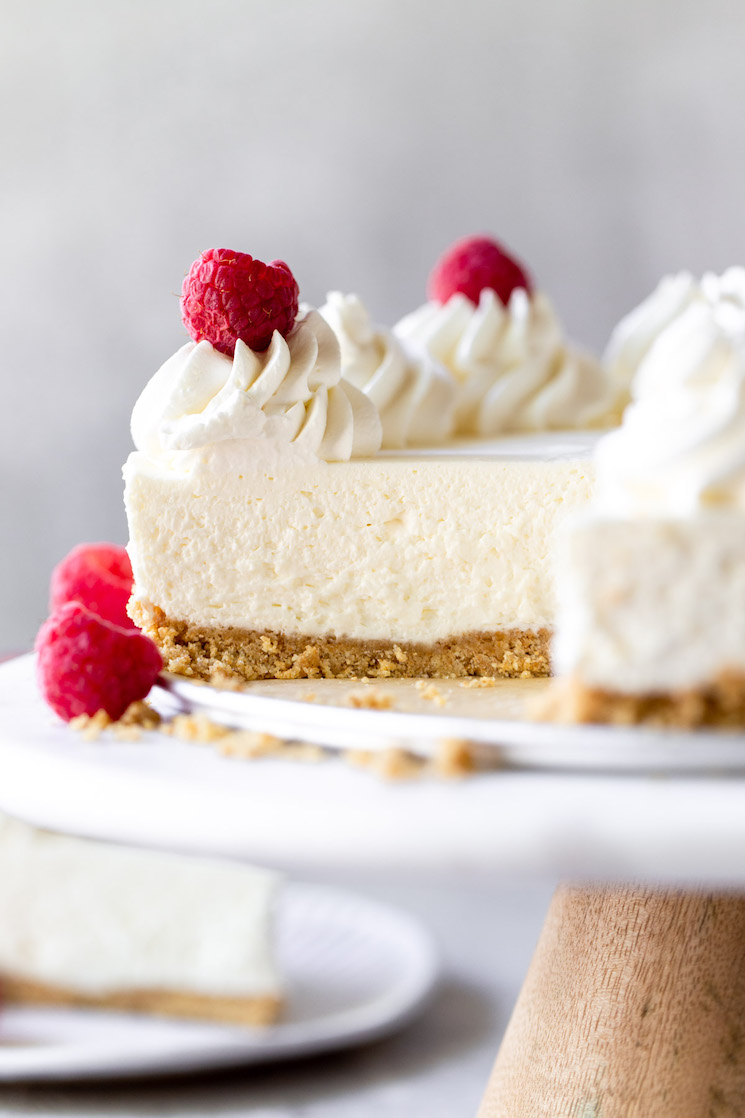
{"x":259,"y":1010}
{"x":249,"y":654}
{"x":720,"y":703}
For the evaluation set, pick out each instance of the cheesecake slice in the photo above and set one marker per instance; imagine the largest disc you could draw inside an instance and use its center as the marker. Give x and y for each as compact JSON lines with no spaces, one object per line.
{"x":434,"y":562}
{"x":89,"y":924}
{"x":272,"y":537}
{"x":651,"y":622}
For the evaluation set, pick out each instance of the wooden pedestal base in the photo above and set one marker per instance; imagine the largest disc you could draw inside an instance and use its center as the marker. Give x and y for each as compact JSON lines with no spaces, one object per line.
{"x":633,"y":1007}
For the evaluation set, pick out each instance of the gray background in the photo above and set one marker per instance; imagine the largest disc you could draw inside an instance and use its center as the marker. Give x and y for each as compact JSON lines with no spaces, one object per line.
{"x":601,"y":139}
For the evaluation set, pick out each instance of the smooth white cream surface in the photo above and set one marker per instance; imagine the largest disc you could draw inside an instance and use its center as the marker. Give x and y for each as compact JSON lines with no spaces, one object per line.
{"x":410,"y":546}
{"x":652,"y":605}
{"x":97,"y":918}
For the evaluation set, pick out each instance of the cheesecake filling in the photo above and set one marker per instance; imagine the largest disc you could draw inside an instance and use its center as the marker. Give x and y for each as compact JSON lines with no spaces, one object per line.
{"x":657,"y":605}
{"x":407,"y":546}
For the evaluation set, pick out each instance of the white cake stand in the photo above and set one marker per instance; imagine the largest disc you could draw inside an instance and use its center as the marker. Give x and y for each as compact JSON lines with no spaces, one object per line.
{"x":634,"y":1006}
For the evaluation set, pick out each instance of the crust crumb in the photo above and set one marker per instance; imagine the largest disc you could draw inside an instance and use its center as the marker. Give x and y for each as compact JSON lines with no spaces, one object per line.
{"x":196,"y":728}
{"x":430,"y":692}
{"x":142,"y":715}
{"x":371,"y":698}
{"x":453,"y":759}
{"x":225,"y":680}
{"x":137,"y":717}
{"x":247,"y":744}
{"x":390,"y":764}
{"x":304,"y":751}
{"x":91,"y":726}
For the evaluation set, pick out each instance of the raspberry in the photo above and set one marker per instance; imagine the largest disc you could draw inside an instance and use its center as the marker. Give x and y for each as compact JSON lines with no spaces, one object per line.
{"x":99,"y":575}
{"x":228,"y":295}
{"x":472,"y":264}
{"x":86,"y":664}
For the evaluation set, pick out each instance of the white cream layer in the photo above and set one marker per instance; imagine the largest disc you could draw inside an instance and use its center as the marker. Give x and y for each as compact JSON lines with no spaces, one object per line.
{"x":652,"y":605}
{"x":415,"y":545}
{"x":96,"y":918}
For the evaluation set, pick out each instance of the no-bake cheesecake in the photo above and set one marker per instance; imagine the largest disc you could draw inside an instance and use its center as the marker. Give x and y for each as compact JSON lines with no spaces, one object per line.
{"x":652,"y":584}
{"x":90,"y":924}
{"x":271,"y":536}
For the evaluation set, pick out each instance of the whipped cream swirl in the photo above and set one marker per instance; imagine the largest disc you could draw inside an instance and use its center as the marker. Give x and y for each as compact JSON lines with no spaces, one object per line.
{"x":515,"y":369}
{"x":637,"y":332}
{"x":292,"y":394}
{"x":414,"y":395}
{"x":681,"y":446}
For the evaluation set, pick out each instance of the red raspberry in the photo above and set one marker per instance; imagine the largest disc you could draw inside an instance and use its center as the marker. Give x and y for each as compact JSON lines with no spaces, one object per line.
{"x":228,"y":295}
{"x":99,"y":575}
{"x":86,"y":664}
{"x":472,"y":264}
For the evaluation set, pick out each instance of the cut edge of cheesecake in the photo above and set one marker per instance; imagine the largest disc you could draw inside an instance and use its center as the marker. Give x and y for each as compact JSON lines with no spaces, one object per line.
{"x":262,"y":1009}
{"x":248,"y":654}
{"x":719,"y":703}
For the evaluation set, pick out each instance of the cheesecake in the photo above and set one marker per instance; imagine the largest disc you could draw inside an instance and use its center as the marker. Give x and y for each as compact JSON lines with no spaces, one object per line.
{"x":95,"y":925}
{"x":651,"y":582}
{"x":309,"y":508}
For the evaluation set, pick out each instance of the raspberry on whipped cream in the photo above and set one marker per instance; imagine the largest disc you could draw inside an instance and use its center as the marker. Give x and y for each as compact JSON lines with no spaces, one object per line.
{"x":229,"y":295}
{"x":288,"y":402}
{"x":473,"y":264}
{"x":505,"y":346}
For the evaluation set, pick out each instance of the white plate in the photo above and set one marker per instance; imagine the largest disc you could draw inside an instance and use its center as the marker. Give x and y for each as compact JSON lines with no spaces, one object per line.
{"x":354,"y":970}
{"x":161,"y":792}
{"x":497,"y":720}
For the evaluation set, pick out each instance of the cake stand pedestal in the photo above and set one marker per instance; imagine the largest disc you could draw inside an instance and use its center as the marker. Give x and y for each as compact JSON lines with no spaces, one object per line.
{"x":633,"y":1007}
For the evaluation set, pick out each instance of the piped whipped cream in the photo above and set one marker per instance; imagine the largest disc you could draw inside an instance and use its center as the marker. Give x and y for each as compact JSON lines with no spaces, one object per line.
{"x":515,"y":369}
{"x":292,"y":394}
{"x":636,"y":333}
{"x":681,"y":446}
{"x":414,"y":394}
